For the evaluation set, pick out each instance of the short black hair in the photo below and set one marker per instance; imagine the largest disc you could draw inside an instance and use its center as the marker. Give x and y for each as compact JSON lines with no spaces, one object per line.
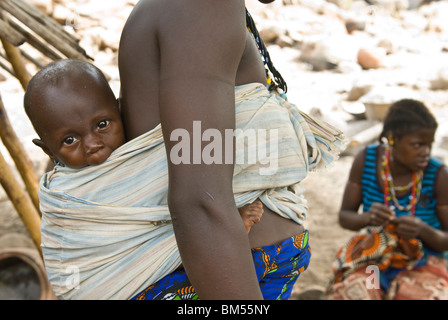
{"x":406,"y":116}
{"x":54,"y":72}
{"x":52,"y":75}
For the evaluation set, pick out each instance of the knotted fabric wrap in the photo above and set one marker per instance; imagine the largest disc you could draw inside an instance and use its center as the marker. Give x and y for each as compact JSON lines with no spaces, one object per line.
{"x":106,"y":229}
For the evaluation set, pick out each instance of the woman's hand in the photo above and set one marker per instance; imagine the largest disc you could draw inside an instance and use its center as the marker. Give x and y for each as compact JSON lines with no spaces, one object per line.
{"x":379,"y":214}
{"x":409,"y":227}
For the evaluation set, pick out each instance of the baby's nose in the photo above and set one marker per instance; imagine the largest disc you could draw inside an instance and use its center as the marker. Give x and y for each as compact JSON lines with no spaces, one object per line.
{"x":92,"y":144}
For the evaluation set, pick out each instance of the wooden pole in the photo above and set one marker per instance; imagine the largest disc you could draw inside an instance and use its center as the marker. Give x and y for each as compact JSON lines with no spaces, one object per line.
{"x":49,"y":23}
{"x":30,"y":58}
{"x":8,"y":33}
{"x":19,"y":155}
{"x":22,"y":202}
{"x":6,"y":67}
{"x":15,"y":58}
{"x":42,"y":30}
{"x":37,"y":43}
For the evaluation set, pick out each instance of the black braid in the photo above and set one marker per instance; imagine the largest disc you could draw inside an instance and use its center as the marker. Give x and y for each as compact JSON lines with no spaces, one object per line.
{"x":406,"y":116}
{"x":277,"y":77}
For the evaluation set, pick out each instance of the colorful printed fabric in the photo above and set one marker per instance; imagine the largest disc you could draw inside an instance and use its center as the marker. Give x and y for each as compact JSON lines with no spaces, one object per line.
{"x":277,"y":268}
{"x":426,"y":282}
{"x":354,"y":287}
{"x":406,"y":270}
{"x":378,"y":246}
{"x":175,"y":286}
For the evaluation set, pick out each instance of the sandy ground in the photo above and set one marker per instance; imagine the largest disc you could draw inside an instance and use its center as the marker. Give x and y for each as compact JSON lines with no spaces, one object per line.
{"x":307,"y":89}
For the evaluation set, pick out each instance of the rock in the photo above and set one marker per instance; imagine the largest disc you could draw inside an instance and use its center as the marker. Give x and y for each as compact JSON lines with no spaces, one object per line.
{"x":46,"y":6}
{"x":61,"y":14}
{"x":356,"y":109}
{"x":391,"y":6}
{"x":109,"y":39}
{"x":354,"y":25}
{"x":384,"y":94}
{"x":387,"y":45}
{"x":328,"y":51}
{"x":414,"y":4}
{"x":284,"y":41}
{"x":313,"y":292}
{"x":378,"y":100}
{"x":414,"y":21}
{"x":358,"y":90}
{"x":348,"y":66}
{"x":441,"y":80}
{"x":370,"y":58}
{"x":436,"y":16}
{"x":343,"y":4}
{"x":296,"y":36}
{"x":270,"y":34}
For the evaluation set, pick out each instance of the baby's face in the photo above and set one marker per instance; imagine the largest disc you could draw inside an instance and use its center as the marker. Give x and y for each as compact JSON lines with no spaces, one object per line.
{"x":86,"y":130}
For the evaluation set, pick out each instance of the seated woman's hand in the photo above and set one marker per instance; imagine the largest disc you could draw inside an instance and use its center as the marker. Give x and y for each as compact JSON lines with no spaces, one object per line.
{"x":408,"y":227}
{"x":379,"y":214}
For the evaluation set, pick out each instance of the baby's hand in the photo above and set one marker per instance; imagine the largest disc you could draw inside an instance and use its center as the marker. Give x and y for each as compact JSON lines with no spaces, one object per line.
{"x":251,"y":214}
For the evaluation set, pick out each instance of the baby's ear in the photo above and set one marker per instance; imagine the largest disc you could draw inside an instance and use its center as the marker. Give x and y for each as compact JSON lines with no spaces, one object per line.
{"x":44,"y":147}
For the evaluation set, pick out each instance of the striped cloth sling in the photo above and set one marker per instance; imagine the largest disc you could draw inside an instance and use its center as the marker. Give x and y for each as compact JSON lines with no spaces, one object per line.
{"x":106,"y":229}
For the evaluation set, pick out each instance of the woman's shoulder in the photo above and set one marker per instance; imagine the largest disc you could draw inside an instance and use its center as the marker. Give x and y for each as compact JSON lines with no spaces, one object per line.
{"x":360,"y":159}
{"x":372,"y":147}
{"x":367,"y":153}
{"x":436,"y":162}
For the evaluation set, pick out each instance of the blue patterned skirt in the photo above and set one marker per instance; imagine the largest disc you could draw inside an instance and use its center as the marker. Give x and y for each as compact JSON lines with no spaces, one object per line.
{"x":277,"y":268}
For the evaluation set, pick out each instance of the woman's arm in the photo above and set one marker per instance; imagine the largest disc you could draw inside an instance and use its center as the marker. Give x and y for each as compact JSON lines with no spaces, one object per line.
{"x":412,"y":227}
{"x":201,"y":43}
{"x":349,"y":218}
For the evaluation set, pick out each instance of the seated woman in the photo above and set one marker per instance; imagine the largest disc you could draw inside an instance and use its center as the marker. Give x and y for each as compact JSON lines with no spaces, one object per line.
{"x":403,"y":191}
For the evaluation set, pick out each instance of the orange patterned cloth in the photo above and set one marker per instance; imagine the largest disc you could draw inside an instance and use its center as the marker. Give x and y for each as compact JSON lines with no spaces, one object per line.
{"x":378,"y":246}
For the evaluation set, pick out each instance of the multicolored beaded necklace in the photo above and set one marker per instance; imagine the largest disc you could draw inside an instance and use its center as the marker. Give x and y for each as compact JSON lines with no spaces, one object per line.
{"x":390,"y":189}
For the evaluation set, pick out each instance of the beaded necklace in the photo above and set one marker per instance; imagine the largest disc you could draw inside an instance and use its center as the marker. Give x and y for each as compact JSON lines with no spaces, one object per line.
{"x":277,"y":81}
{"x":390,"y":188}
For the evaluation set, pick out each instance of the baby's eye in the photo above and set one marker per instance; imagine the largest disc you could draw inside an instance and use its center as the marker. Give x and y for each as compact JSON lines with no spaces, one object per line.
{"x":103,"y":124}
{"x":69,"y":140}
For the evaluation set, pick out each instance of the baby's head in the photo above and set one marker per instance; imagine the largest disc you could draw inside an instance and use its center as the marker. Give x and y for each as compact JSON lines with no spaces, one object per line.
{"x":75,"y":113}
